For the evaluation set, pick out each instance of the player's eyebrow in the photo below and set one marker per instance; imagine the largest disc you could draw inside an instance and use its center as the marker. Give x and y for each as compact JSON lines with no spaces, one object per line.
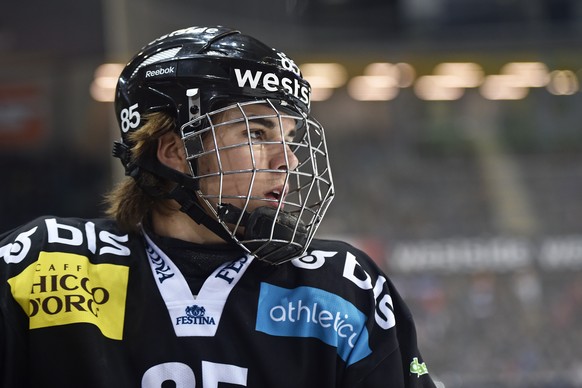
{"x":269,"y":123}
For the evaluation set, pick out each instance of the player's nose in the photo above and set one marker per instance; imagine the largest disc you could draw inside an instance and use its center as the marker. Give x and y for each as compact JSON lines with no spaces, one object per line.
{"x":283,"y":158}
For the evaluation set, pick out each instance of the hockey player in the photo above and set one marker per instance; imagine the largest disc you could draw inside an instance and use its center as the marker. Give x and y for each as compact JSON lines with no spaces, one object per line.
{"x":206,"y":272}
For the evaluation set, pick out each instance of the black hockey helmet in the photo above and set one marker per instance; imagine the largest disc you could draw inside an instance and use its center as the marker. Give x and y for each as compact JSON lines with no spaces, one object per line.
{"x":190,"y":74}
{"x":220,"y":63}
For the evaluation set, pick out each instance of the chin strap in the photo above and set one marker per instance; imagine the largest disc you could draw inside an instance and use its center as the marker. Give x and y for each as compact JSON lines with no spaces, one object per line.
{"x":183,"y":193}
{"x":190,"y":206}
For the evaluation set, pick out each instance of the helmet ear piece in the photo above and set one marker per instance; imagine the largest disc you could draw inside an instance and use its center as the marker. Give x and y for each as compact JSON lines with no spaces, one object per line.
{"x":194,"y":107}
{"x":123,"y":153}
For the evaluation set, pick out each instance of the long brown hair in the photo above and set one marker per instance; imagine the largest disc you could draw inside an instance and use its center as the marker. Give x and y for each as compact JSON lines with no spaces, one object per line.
{"x":129,"y":202}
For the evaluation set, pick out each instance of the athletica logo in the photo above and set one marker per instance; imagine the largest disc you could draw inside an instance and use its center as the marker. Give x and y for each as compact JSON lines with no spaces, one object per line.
{"x":195,"y":315}
{"x":311,"y":312}
{"x":271,"y":82}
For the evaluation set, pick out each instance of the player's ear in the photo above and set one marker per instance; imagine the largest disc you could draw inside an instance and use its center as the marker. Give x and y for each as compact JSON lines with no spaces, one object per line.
{"x":171,"y":152}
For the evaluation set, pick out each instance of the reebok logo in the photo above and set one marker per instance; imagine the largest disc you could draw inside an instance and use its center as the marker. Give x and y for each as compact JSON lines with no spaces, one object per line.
{"x":313,"y":313}
{"x":169,"y":70}
{"x":271,"y":82}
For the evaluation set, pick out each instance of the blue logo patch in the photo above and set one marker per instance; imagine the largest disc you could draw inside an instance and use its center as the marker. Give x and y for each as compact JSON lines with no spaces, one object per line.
{"x":311,"y":312}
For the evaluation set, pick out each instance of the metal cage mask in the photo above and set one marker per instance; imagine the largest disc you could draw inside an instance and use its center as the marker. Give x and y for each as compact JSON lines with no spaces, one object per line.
{"x":262,"y":170}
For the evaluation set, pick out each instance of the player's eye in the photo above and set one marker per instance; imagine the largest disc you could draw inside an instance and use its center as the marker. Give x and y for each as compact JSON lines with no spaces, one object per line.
{"x":257,"y":134}
{"x":291,"y":136}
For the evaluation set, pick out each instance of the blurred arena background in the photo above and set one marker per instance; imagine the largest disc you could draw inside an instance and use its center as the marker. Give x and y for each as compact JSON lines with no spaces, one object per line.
{"x":455,"y":129}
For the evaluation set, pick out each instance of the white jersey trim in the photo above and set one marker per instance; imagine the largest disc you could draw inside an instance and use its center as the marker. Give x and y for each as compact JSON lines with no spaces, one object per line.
{"x":194,"y":316}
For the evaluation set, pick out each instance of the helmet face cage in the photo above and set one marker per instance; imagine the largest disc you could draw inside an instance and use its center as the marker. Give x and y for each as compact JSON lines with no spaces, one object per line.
{"x":263,"y":157}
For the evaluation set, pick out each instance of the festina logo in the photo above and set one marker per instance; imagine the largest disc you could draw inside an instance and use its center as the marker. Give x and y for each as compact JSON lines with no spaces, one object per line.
{"x":195,"y":315}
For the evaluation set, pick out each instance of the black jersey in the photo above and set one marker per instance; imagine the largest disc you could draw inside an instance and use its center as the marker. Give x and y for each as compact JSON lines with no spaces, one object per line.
{"x":84,"y":305}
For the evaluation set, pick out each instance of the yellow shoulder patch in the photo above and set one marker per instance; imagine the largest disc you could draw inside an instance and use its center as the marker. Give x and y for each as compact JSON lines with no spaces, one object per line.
{"x":64,"y":288}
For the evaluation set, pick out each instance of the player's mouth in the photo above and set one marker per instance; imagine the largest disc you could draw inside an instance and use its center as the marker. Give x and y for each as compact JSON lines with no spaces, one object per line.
{"x":275,"y":196}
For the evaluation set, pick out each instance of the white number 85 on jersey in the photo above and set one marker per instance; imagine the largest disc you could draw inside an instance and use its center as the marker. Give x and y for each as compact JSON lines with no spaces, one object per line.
{"x":183,"y":376}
